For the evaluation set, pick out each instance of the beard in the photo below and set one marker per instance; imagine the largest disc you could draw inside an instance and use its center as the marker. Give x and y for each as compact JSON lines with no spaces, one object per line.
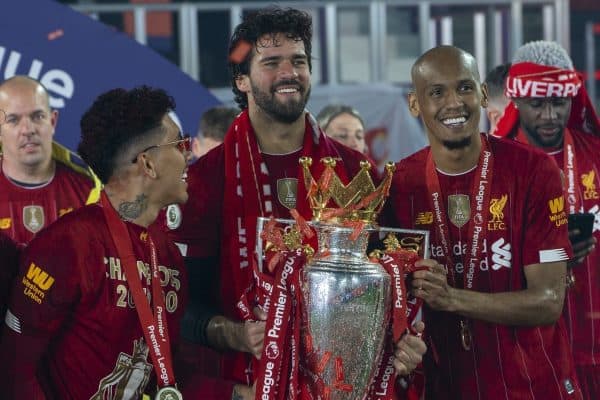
{"x":457,"y":144}
{"x":544,"y":142}
{"x":282,"y":112}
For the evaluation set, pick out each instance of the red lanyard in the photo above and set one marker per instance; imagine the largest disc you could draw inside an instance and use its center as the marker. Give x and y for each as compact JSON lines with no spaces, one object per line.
{"x":480,"y":206}
{"x":153,"y":321}
{"x":570,"y":171}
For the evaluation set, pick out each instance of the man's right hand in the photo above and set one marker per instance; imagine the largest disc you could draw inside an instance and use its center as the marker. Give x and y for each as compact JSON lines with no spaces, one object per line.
{"x":243,"y":392}
{"x":251,"y":334}
{"x":247,"y":336}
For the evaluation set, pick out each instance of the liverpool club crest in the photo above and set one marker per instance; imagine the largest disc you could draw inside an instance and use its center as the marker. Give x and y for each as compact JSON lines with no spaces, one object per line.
{"x":33,"y":218}
{"x":459,"y":209}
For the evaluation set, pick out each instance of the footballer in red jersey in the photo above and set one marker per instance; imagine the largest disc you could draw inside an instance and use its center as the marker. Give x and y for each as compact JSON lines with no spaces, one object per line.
{"x":495,"y":210}
{"x":96,"y":307}
{"x":40,"y":180}
{"x":550,"y":109}
{"x":254,"y":173}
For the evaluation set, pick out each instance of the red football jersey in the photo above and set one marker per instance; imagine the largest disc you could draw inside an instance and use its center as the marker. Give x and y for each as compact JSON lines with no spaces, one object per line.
{"x":71,"y":317}
{"x":526,"y":225}
{"x":199,"y":232}
{"x":25,"y":211}
{"x":582,"y":304}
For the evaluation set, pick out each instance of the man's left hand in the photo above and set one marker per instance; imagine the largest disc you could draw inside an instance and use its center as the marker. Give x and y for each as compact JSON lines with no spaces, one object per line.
{"x":409,"y":351}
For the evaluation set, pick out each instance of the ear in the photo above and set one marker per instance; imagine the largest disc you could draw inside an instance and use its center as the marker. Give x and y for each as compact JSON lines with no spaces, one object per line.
{"x":148,"y":165}
{"x":53,"y":119}
{"x":243,"y":83}
{"x":413,"y":104}
{"x":484,"y":93}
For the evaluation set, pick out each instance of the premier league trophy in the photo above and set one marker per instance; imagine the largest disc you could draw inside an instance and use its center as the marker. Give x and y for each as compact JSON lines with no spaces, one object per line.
{"x":329,"y":329}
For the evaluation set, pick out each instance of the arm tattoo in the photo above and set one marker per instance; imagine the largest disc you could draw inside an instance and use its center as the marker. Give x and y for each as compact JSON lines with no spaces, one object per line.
{"x":130,"y":210}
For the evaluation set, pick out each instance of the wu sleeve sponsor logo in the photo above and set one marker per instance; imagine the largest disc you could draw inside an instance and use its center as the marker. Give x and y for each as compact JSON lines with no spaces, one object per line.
{"x":557,"y":211}
{"x":36,"y":283}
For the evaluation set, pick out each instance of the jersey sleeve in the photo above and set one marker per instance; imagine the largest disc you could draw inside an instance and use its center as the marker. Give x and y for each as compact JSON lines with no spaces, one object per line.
{"x":45,"y":292}
{"x":546,"y":237}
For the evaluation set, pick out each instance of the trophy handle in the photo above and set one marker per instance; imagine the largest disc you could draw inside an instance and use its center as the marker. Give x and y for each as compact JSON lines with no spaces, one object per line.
{"x":411,"y":237}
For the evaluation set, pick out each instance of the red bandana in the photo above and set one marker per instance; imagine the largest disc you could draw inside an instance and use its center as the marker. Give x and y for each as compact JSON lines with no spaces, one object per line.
{"x":248,"y":196}
{"x":528,"y":79}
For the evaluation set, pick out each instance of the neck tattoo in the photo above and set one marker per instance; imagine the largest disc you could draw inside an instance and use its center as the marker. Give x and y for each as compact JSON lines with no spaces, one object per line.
{"x":130,"y":210}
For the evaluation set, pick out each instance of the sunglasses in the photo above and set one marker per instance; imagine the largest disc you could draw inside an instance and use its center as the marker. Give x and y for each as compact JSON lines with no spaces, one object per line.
{"x":183,"y":144}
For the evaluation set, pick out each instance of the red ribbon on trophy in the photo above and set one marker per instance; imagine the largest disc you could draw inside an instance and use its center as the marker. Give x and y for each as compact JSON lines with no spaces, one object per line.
{"x":279,"y":373}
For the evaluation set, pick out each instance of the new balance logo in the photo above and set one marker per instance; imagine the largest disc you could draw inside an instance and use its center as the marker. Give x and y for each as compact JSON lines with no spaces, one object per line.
{"x":501,"y":255}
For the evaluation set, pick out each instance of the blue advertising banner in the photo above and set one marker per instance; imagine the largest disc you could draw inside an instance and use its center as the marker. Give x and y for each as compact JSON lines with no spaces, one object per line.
{"x":77,"y":58}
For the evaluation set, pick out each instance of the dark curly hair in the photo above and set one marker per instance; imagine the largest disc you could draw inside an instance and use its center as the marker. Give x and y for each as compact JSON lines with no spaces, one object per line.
{"x":117,"y":120}
{"x":295,"y":24}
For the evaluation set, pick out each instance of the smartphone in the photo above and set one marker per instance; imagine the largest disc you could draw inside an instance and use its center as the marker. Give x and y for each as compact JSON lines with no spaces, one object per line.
{"x":584,"y":222}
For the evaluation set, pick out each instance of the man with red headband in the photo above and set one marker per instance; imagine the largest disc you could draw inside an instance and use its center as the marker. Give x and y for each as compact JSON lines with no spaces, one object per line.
{"x":254,"y":173}
{"x":550,"y":109}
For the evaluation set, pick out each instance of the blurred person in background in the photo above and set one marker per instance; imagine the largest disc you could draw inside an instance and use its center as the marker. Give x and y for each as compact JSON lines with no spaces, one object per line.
{"x":550,"y":109}
{"x":213,"y":126}
{"x":497,"y":101}
{"x":40,"y":180}
{"x":344,"y":124}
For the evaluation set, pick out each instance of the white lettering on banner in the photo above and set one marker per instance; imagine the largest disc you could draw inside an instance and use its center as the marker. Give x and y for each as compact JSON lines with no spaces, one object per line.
{"x":243,"y":249}
{"x":385,"y":379}
{"x":397,"y":282}
{"x":528,"y":88}
{"x":268,"y":380}
{"x":59,"y":83}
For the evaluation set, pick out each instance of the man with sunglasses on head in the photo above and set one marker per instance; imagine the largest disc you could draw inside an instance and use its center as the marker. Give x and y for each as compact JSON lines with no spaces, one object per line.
{"x":100,"y":318}
{"x":40,"y":180}
{"x":255,"y":173}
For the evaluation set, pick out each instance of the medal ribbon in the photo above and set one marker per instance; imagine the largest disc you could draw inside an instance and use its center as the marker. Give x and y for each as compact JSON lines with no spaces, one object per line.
{"x":569,"y":170}
{"x":153,"y":322}
{"x":480,"y":206}
{"x":572,"y":196}
{"x":281,"y":299}
{"x":275,"y":365}
{"x":398,"y":264}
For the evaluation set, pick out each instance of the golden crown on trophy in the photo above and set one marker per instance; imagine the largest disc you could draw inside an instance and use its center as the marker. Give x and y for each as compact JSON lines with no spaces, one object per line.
{"x":334,"y":202}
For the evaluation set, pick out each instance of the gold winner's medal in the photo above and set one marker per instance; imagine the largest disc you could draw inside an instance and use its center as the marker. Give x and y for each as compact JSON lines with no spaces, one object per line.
{"x":465,"y":336}
{"x":168,"y":393}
